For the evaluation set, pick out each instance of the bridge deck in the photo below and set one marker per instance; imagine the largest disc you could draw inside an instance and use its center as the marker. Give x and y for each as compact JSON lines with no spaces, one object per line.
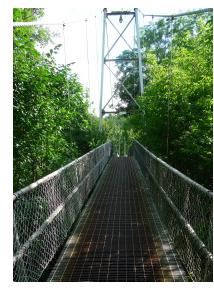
{"x":119,"y":236}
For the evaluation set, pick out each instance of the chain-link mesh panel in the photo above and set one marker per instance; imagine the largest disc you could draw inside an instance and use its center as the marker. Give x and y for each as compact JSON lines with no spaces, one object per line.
{"x":185,"y":207}
{"x":45,"y":211}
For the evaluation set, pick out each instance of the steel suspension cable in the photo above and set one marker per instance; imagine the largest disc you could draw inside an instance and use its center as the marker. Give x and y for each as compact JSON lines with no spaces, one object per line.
{"x":141,"y":109}
{"x":97,"y":52}
{"x":65,"y":62}
{"x":107,"y":38}
{"x":134,"y":62}
{"x":87,"y":56}
{"x":67,"y":80}
{"x":154,"y":28}
{"x":25,"y":24}
{"x":169,"y":84}
{"x":200,"y":11}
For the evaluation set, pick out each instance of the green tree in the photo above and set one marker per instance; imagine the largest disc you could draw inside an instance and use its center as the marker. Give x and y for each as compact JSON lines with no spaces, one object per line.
{"x":175,"y":119}
{"x":52,"y":125}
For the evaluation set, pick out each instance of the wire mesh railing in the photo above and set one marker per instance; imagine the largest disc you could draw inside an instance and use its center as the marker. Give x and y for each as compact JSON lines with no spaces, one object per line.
{"x":45,"y":211}
{"x":186,"y":209}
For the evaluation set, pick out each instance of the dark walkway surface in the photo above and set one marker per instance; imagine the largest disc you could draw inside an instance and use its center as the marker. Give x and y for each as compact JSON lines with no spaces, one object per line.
{"x":119,"y":236}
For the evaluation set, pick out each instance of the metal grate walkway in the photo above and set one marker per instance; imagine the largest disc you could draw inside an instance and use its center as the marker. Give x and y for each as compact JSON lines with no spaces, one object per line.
{"x":119,"y":236}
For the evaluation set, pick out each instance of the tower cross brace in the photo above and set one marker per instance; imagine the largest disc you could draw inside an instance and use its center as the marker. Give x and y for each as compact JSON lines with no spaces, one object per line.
{"x":105,"y":59}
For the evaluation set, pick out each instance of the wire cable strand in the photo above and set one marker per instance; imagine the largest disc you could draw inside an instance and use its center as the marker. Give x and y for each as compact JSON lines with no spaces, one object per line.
{"x":65,"y":62}
{"x":87,"y":56}
{"x":67,"y":81}
{"x":169,"y":86}
{"x":25,"y":24}
{"x":178,"y":15}
{"x":107,"y":38}
{"x":97,"y":51}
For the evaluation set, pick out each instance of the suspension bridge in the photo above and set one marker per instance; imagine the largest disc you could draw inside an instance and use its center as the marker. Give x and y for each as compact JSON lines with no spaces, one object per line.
{"x":109,"y":217}
{"x":130,"y":218}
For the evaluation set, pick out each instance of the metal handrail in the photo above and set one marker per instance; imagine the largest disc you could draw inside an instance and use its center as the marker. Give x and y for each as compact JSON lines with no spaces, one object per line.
{"x":185,"y":207}
{"x":45,"y":211}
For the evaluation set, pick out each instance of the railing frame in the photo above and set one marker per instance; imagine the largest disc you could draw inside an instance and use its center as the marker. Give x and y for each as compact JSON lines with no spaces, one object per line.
{"x":85,"y":184}
{"x":160,"y":195}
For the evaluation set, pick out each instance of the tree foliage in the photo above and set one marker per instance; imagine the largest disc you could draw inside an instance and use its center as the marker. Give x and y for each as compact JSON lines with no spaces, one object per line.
{"x":51,"y":125}
{"x":175,"y":115}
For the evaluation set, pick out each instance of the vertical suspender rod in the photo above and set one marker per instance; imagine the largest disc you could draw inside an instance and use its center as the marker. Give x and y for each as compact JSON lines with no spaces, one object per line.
{"x":102,"y":69}
{"x":139,"y":50}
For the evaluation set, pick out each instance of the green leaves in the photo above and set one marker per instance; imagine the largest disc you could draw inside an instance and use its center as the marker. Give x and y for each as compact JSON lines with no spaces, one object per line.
{"x":175,"y":120}
{"x":51,"y":128}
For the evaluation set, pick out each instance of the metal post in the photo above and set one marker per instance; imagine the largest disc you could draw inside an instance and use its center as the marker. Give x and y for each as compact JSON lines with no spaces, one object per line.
{"x":139,"y":50}
{"x":124,"y":139}
{"x":119,"y":146}
{"x":102,"y":67}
